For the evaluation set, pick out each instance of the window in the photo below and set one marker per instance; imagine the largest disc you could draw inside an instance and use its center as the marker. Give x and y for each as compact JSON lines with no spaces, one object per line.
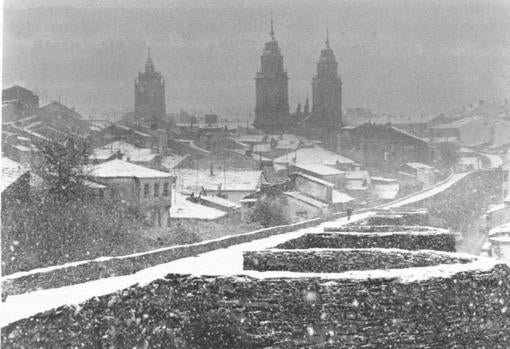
{"x":156,"y":190}
{"x":165,"y":189}
{"x":505,"y":176}
{"x":145,"y":190}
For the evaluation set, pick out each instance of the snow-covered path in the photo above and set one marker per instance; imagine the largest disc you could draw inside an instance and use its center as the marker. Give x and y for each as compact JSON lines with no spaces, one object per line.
{"x":430,"y":192}
{"x":226,"y":261}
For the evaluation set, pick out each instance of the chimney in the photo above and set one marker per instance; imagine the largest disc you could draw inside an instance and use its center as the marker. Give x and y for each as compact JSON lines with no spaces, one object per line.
{"x":212,"y":169}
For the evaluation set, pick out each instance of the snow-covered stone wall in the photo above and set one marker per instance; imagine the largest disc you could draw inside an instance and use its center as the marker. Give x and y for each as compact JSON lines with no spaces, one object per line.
{"x":436,"y":240}
{"x":468,"y":309}
{"x":340,"y":260}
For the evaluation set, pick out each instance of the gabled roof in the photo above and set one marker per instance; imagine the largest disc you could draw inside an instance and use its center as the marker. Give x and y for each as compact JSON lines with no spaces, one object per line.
{"x":313,"y":156}
{"x":172,"y":161}
{"x":321,"y":170}
{"x":16,"y":89}
{"x":129,"y":151}
{"x":56,"y":107}
{"x":11,"y":172}
{"x":123,"y":169}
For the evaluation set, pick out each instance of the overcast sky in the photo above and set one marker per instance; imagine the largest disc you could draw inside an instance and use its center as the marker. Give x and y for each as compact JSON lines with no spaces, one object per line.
{"x":402,"y":57}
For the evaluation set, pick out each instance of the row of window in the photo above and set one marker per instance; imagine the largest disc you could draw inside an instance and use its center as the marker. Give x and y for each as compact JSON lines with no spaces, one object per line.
{"x":146,"y":190}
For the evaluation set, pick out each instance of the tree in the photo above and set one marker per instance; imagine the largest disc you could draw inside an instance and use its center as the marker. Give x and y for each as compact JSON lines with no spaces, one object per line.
{"x":61,"y":165}
{"x":448,"y":155}
{"x":270,"y":212}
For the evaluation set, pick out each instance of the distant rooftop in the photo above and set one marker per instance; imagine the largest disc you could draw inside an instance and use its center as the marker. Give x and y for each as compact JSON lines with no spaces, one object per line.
{"x":321,"y":170}
{"x":185,"y":209}
{"x":123,"y":169}
{"x":313,"y":156}
{"x":418,"y":165}
{"x":220,"y":202}
{"x":129,"y":151}
{"x":193,"y":180}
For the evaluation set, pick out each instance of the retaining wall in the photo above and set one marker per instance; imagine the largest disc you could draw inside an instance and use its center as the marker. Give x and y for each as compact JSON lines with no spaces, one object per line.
{"x":340,"y":260}
{"x":79,"y":272}
{"x":399,"y":216}
{"x":401,"y":240}
{"x":383,"y":228}
{"x":468,"y":309}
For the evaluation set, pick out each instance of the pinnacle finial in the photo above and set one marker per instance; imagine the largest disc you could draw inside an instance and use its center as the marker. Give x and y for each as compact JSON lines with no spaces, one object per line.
{"x":272,"y":27}
{"x":327,"y":37}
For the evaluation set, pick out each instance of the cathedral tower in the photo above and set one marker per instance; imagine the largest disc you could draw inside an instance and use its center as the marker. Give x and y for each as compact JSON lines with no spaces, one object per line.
{"x":271,"y":82}
{"x":150,"y":94}
{"x":327,"y":97}
{"x":327,"y":91}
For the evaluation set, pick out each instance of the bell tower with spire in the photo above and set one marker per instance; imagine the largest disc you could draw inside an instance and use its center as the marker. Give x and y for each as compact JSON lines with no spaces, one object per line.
{"x":271,"y":83}
{"x":327,"y":96}
{"x":150,"y":93}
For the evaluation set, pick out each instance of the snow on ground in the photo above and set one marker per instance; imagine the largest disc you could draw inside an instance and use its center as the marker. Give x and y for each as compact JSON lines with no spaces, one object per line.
{"x":432,"y":191}
{"x":496,"y":160}
{"x":226,"y":261}
{"x":185,"y":209}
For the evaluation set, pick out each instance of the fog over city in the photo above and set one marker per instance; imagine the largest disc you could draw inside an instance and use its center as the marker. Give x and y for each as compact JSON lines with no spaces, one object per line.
{"x":399,"y":57}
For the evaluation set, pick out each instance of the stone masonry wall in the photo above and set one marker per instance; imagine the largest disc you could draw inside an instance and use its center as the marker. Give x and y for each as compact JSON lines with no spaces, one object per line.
{"x":340,"y":260}
{"x":405,"y":241}
{"x":101,"y":268}
{"x":466,"y":310}
{"x":382,"y":228}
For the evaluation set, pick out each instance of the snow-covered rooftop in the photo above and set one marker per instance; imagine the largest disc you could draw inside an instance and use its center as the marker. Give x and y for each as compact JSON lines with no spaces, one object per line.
{"x":171,"y":161}
{"x":418,"y":165}
{"x":129,"y":151}
{"x":121,"y":168}
{"x":314,"y":179}
{"x":319,"y":169}
{"x":193,"y":180}
{"x":306,"y":199}
{"x":127,"y":128}
{"x":384,"y":180}
{"x":285,"y":141}
{"x":339,"y":197}
{"x":11,"y":172}
{"x":185,"y":209}
{"x":220,"y":202}
{"x":313,"y":156}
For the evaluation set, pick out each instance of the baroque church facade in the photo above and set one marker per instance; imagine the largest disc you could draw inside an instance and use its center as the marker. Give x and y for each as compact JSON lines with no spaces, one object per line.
{"x":324,"y":120}
{"x":150,"y":94}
